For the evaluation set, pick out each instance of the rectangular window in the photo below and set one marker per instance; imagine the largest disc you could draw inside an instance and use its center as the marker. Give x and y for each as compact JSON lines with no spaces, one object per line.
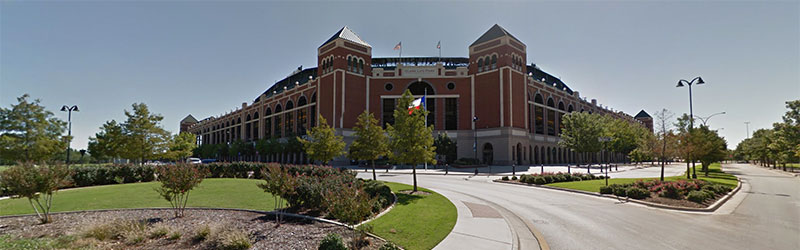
{"x":301,"y":121}
{"x":451,"y":114}
{"x":289,"y":123}
{"x":313,"y":115}
{"x":430,"y":105}
{"x":267,"y":128}
{"x":277,"y":126}
{"x":560,"y":122}
{"x":388,"y":112}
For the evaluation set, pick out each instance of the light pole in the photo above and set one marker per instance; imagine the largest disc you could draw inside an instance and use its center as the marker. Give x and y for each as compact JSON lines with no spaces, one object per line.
{"x":69,"y":110}
{"x":475,"y":136}
{"x":705,"y":119}
{"x":681,"y":83}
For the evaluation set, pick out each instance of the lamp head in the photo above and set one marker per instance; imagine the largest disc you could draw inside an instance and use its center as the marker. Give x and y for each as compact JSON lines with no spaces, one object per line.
{"x":75,"y":108}
{"x":680,"y":84}
{"x":64,"y":108}
{"x":700,"y":80}
{"x":474,"y":118}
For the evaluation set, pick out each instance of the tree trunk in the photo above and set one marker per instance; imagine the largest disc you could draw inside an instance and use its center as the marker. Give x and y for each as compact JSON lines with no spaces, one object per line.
{"x":414,"y":172}
{"x":373,"y":170}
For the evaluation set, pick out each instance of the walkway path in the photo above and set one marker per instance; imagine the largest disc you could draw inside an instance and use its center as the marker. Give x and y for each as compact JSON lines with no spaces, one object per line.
{"x":765,"y":214}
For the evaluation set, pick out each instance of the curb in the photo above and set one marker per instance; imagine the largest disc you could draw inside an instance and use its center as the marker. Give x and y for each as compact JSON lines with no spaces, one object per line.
{"x":709,"y":209}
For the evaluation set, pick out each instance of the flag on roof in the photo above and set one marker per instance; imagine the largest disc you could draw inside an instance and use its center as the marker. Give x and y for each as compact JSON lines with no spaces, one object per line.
{"x":398,"y":46}
{"x":439,"y":45}
{"x":416,"y":104}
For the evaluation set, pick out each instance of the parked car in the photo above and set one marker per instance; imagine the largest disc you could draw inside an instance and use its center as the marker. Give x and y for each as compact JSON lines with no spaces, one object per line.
{"x":194,"y":161}
{"x":209,"y":160}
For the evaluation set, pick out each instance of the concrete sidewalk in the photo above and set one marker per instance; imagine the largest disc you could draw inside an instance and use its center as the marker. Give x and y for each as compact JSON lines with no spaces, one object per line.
{"x":621,"y":171}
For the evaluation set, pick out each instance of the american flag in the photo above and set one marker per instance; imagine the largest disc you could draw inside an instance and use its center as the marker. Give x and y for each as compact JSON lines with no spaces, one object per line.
{"x":398,"y":46}
{"x":439,"y":45}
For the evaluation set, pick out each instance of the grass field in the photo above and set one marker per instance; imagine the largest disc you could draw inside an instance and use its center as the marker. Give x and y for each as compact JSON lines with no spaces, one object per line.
{"x":417,"y":221}
{"x":221,"y":193}
{"x":715,"y":175}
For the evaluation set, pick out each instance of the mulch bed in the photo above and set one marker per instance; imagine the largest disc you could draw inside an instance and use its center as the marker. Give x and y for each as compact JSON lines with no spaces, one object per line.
{"x":654,"y":198}
{"x":261,"y":228}
{"x":418,"y":192}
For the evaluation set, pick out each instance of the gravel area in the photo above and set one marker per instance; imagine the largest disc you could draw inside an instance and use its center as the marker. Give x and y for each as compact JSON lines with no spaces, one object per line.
{"x":262,"y":229}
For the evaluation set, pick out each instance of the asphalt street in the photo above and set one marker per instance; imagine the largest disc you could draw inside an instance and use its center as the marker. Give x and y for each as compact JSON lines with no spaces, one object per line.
{"x":765,"y":214}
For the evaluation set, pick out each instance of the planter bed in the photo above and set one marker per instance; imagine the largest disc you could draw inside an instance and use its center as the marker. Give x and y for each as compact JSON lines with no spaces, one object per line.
{"x":261,"y":229}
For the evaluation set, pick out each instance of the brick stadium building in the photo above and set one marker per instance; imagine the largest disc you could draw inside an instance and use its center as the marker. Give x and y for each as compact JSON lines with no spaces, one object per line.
{"x":518,"y":106}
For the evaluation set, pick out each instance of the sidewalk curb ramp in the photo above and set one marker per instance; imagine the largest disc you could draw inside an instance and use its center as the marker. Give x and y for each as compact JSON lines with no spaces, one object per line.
{"x":709,"y":209}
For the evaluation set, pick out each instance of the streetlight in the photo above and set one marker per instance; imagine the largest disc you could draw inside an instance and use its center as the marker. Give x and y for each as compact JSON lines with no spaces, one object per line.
{"x":705,"y":119}
{"x":747,"y":124}
{"x":69,"y":110}
{"x":475,"y":136}
{"x":681,"y":83}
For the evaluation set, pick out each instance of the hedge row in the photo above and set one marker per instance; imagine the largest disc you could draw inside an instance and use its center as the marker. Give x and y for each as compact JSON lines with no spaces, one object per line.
{"x":695,"y":190}
{"x":547,"y":178}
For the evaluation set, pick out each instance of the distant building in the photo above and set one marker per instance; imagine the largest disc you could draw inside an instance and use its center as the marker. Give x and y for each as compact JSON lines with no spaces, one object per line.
{"x":645,"y":118}
{"x":518,"y":106}
{"x":187,"y":122}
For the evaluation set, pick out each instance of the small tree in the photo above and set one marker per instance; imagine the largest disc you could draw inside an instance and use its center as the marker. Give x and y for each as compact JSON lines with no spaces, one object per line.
{"x":411,"y":140}
{"x":181,"y":146}
{"x":371,"y":142}
{"x":176,"y":182}
{"x":445,"y":147}
{"x":666,"y":137}
{"x":581,"y":132}
{"x":323,"y":144}
{"x":37,"y":183}
{"x":28,"y":132}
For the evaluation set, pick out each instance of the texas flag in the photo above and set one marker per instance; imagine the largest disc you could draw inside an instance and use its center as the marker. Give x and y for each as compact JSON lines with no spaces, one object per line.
{"x":416,"y":104}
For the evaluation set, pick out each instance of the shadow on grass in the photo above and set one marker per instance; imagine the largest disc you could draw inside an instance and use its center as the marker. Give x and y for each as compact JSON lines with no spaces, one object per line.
{"x":405,"y":199}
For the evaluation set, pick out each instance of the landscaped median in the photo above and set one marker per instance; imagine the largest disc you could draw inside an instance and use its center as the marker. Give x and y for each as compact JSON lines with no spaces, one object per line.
{"x":700,"y":194}
{"x":418,"y":220}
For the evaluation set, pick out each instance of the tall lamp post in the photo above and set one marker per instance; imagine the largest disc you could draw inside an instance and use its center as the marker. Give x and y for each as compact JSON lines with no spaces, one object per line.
{"x":69,"y":110}
{"x":681,"y":82}
{"x":705,"y":119}
{"x":747,"y":124}
{"x":475,"y":136}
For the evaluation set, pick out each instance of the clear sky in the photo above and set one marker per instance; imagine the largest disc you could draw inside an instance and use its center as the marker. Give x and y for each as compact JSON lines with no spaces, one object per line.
{"x":206,"y":58}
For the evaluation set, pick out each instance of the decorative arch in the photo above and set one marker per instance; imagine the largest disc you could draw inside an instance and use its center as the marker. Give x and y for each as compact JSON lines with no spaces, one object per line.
{"x":570,"y":109}
{"x":538,"y":99}
{"x":301,"y":101}
{"x":419,"y":87}
{"x":550,"y":102}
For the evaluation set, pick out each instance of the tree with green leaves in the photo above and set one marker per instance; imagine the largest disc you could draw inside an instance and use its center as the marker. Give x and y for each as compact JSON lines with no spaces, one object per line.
{"x":445,"y":147}
{"x":686,"y":148}
{"x":108,"y":143}
{"x":323,"y":144}
{"x":581,"y":132}
{"x":181,"y":146}
{"x":29,"y":132}
{"x":371,"y":142}
{"x":411,"y":141}
{"x":709,"y":146}
{"x":145,"y":139}
{"x":625,"y":136}
{"x":237,"y":149}
{"x":37,"y":183}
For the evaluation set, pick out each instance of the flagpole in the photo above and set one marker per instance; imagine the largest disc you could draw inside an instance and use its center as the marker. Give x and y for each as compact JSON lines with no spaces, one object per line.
{"x":425,"y":111}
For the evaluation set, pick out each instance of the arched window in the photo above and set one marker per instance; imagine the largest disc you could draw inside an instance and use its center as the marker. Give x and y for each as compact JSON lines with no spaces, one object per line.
{"x":488,"y":153}
{"x":420,"y":88}
{"x":480,"y":65}
{"x":289,"y":119}
{"x":267,"y":123}
{"x":361,"y":66}
{"x":278,"y":124}
{"x":313,"y":111}
{"x":302,"y":116}
{"x":494,"y":61}
{"x":570,"y":109}
{"x":486,"y":66}
{"x":551,"y":117}
{"x":538,"y":114}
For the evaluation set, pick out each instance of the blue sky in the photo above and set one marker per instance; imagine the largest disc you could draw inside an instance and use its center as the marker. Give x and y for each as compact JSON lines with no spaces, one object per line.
{"x":206,"y":58}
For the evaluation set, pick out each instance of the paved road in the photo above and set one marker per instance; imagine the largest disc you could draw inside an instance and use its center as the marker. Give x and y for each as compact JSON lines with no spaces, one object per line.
{"x":765,"y":214}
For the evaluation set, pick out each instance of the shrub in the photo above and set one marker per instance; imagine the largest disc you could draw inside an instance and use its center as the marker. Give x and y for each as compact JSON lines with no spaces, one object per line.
{"x":505,"y":178}
{"x":332,"y":241}
{"x":230,"y":239}
{"x":619,"y":190}
{"x":201,"y":233}
{"x":697,"y":196}
{"x":606,"y":190}
{"x":37,"y":183}
{"x":637,"y":193}
{"x":513,"y":178}
{"x":548,"y":179}
{"x":176,"y":182}
{"x":538,"y":180}
{"x":348,"y":203}
{"x":158,"y":232}
{"x":389,"y":246}
{"x":559,"y":178}
{"x":175,"y":235}
{"x":671,"y":190}
{"x":378,"y":190}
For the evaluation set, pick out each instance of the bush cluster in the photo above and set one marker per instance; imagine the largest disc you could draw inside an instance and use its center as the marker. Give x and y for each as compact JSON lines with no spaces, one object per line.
{"x":335,"y":191}
{"x":93,"y":175}
{"x":549,"y":177}
{"x":693,"y":190}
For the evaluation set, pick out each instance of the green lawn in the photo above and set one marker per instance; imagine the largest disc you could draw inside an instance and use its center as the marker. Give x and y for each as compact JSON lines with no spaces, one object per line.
{"x":221,"y":193}
{"x":416,"y":222}
{"x":715,"y":175}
